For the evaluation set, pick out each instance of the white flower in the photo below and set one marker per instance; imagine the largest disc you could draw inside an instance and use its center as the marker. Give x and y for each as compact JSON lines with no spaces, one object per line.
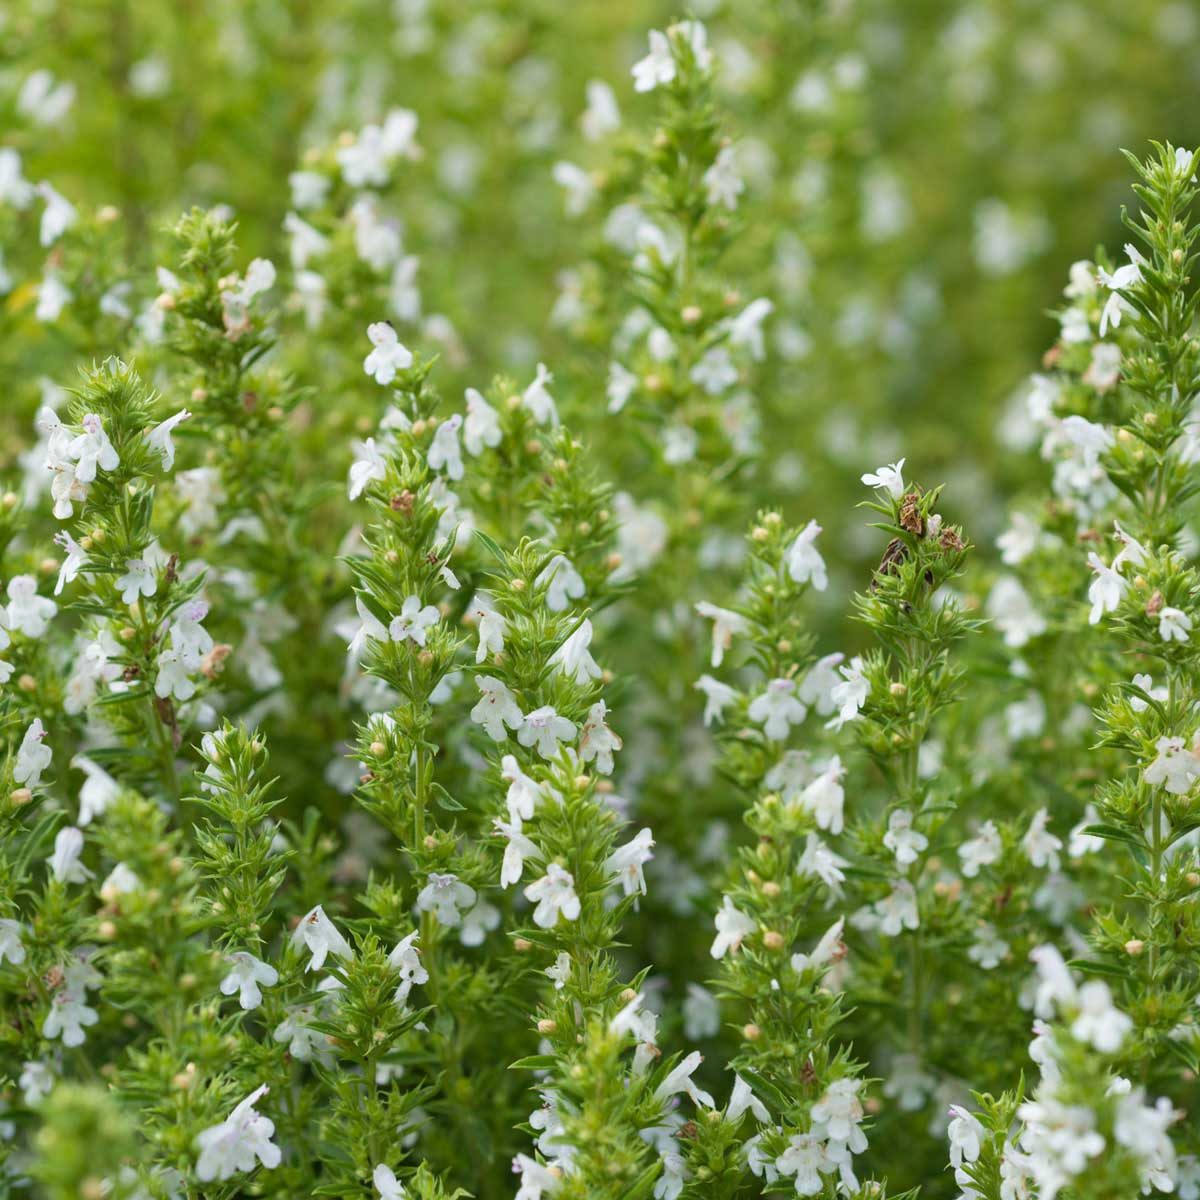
{"x":679,"y":1079}
{"x":602,"y":116}
{"x":1131,"y":552}
{"x":715,"y":372}
{"x":443,"y":895}
{"x":388,"y":357}
{"x":386,"y":1183}
{"x":139,"y":580}
{"x":536,"y":1179}
{"x":722,"y":182}
{"x":28,"y":613}
{"x":803,"y":559}
{"x":658,"y":67}
{"x":1174,"y":625}
{"x":890,"y":478}
{"x":517,"y":849}
{"x":1012,"y":610}
{"x":966,"y":1136}
{"x":1121,"y":279}
{"x":982,"y":850}
{"x":701,"y":1013}
{"x":902,"y":840}
{"x":246,"y":976}
{"x":1175,"y":767}
{"x":726,"y":625}
{"x":806,"y":1158}
{"x":406,"y":960}
{"x":621,"y":385}
{"x":496,"y":708}
{"x":717,"y":697}
{"x":58,"y":217}
{"x":414,"y":622}
{"x":71,"y":565}
{"x":538,"y":400}
{"x":1079,"y":841}
{"x":746,"y":328}
{"x":562,"y":582}
{"x":33,"y":757}
{"x":159,"y":438}
{"x":829,"y":949}
{"x":482,"y":425}
{"x":825,"y":798}
{"x":838,"y":1114}
{"x":554,"y":894}
{"x":733,"y":927}
{"x":370,"y":628}
{"x":626,"y":863}
{"x":822,"y":862}
{"x":319,"y":934}
{"x":777,"y":709}
{"x":92,"y":450}
{"x":1106,"y":589}
{"x":10,"y":941}
{"x":1055,"y":986}
{"x":36,"y":1083}
{"x":573,"y":658}
{"x":15,"y":189}
{"x":576,"y":184}
{"x":69,"y":1014}
{"x":1040,"y":845}
{"x":444,"y":453}
{"x":238,"y":1143}
{"x":1019,"y":540}
{"x":988,"y":948}
{"x":543,"y":729}
{"x":523,"y":795}
{"x":1098,"y":1020}
{"x":560,"y":970}
{"x":848,"y":694}
{"x":898,"y":909}
{"x":44,"y":99}
{"x":120,"y":881}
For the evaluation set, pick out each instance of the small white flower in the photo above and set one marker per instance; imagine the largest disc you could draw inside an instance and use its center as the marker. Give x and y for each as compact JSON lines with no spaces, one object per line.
{"x":554,"y":895}
{"x":71,"y":565}
{"x":444,"y":453}
{"x":562,"y":581}
{"x":966,"y":1136}
{"x":139,"y":580}
{"x":829,"y":949}
{"x":246,"y":976}
{"x":902,"y":839}
{"x":388,"y":357}
{"x":414,"y":622}
{"x":10,"y":941}
{"x":1098,"y":1020}
{"x":1174,"y":625}
{"x":92,"y":450}
{"x":733,"y":927}
{"x":386,"y":1183}
{"x":726,"y":626}
{"x":989,"y":948}
{"x":496,"y":708}
{"x":319,"y":934}
{"x":658,"y":67}
{"x":538,"y":400}
{"x":898,"y":909}
{"x":58,"y":217}
{"x":36,"y":1083}
{"x":804,"y":561}
{"x":982,"y":850}
{"x":626,"y":863}
{"x":825,"y":798}
{"x":718,"y":697}
{"x":1106,"y":589}
{"x":1040,"y":845}
{"x":679,"y":1080}
{"x":777,"y":709}
{"x":574,"y":659}
{"x":159,"y":438}
{"x":722,"y":181}
{"x":482,"y":425}
{"x":1175,"y":767}
{"x":28,"y":613}
{"x":543,"y":729}
{"x":523,"y":795}
{"x":889,"y":478}
{"x":443,"y":895}
{"x":33,"y":756}
{"x":597,"y":741}
{"x":560,"y":970}
{"x":406,"y":960}
{"x":238,"y":1143}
